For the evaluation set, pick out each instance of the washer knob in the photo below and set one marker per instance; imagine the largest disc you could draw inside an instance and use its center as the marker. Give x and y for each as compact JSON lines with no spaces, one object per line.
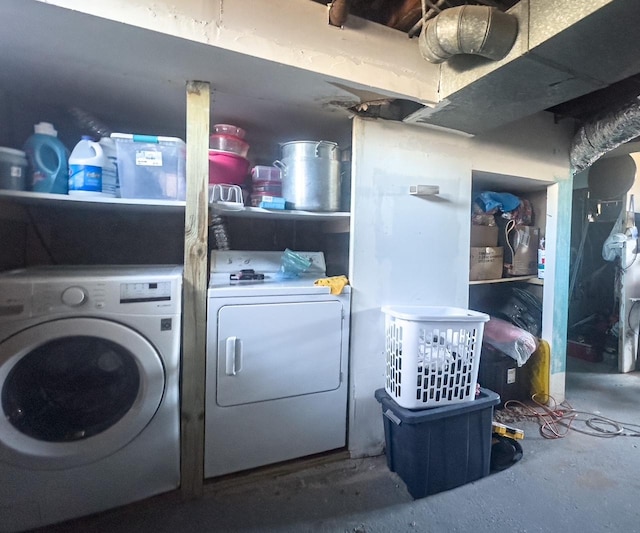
{"x":74,"y":296}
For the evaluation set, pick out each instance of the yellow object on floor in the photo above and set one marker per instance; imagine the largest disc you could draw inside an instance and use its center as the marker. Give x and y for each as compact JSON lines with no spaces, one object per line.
{"x":507,"y":431}
{"x":335,"y":283}
{"x":539,"y":369}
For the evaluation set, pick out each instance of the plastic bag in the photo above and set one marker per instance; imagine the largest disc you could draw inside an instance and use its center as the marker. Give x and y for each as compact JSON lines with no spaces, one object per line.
{"x":490,"y":201}
{"x":292,"y":265}
{"x":480,"y":218}
{"x":612,"y":247}
{"x":510,"y":340}
{"x":523,"y":214}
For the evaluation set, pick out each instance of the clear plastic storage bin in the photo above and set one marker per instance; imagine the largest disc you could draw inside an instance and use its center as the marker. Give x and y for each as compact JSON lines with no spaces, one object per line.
{"x":151,"y":167}
{"x":432,"y":354}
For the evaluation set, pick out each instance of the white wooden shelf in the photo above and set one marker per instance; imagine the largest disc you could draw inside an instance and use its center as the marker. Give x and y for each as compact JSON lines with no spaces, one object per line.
{"x":98,"y":202}
{"x":284,"y":214}
{"x":527,"y":279}
{"x":92,"y":202}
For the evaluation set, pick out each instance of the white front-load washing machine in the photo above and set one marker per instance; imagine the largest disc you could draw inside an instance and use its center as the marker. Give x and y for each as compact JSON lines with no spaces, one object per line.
{"x":89,"y":390}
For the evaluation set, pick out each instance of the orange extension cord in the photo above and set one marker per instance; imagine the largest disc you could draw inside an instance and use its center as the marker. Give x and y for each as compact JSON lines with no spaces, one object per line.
{"x":556,"y":420}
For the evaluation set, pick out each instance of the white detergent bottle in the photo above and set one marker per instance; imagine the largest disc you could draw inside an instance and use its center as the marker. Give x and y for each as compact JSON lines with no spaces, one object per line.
{"x":110,"y":184}
{"x":85,"y":168}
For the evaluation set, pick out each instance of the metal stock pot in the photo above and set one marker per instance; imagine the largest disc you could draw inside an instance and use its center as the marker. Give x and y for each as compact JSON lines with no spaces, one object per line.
{"x":311,"y":177}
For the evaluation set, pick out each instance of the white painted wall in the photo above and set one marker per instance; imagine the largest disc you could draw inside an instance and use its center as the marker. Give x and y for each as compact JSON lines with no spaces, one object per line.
{"x":414,"y":251}
{"x":405,"y":250}
{"x":535,"y":148}
{"x":292,"y":32}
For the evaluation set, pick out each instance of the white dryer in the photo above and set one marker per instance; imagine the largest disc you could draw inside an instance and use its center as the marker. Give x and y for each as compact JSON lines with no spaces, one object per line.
{"x":89,"y":389}
{"x":277,"y":359}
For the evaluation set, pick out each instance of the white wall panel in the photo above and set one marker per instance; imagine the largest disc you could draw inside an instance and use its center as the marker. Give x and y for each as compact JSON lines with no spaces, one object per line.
{"x":406,"y":250}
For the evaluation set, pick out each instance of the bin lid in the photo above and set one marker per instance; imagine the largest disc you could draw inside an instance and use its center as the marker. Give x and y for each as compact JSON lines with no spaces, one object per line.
{"x":149,"y":139}
{"x":487,"y":398}
{"x":12,"y":152}
{"x":434,"y":313}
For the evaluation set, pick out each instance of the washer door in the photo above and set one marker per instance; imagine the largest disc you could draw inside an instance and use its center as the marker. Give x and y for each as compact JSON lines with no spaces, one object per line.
{"x":74,"y":391}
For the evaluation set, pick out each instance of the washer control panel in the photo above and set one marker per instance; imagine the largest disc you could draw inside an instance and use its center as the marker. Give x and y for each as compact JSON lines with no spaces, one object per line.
{"x":101,"y":296}
{"x":60,"y":297}
{"x":74,"y":296}
{"x":154,"y":291}
{"x":14,"y":300}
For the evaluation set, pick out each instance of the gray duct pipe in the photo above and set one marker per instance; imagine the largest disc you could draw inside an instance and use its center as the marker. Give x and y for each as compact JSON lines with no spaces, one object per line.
{"x":596,"y":138}
{"x":479,"y":30}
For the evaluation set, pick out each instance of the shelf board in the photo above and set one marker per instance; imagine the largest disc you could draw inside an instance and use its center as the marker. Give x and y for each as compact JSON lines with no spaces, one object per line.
{"x":42,"y":199}
{"x":527,"y":279}
{"x":284,"y":214}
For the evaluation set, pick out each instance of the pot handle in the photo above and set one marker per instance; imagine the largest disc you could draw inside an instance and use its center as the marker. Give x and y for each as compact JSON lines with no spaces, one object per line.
{"x":319,"y":143}
{"x":279,"y":164}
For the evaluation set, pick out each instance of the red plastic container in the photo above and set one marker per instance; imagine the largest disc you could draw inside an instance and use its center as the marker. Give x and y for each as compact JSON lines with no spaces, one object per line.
{"x":586,"y":352}
{"x":227,"y":167}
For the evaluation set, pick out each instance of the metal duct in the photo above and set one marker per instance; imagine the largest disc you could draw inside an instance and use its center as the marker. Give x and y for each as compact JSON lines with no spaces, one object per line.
{"x":596,"y":138}
{"x":479,"y":30}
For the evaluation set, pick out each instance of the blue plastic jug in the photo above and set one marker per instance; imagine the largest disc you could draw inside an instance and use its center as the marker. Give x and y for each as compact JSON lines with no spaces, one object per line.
{"x":48,"y":160}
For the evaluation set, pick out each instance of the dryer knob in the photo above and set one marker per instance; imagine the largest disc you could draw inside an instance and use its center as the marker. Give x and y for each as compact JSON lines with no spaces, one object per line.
{"x":74,"y":296}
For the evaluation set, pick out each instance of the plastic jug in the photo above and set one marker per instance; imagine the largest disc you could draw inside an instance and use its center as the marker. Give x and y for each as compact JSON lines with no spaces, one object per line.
{"x":47,"y":158}
{"x":110,"y":183}
{"x":85,"y":168}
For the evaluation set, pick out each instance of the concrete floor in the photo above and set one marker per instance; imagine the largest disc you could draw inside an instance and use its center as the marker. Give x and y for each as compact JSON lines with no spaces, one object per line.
{"x":578,"y":483}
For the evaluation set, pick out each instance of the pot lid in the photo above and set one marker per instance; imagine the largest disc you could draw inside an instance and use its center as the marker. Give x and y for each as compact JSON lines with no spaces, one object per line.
{"x":328,"y":143}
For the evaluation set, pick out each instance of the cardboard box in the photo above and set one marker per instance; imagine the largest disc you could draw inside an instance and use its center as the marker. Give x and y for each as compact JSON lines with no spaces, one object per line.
{"x":520,"y":250}
{"x":484,"y":235}
{"x":485,"y":262}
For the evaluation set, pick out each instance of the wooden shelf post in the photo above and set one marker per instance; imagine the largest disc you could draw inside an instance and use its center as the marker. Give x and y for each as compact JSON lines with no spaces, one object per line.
{"x":194,"y":321}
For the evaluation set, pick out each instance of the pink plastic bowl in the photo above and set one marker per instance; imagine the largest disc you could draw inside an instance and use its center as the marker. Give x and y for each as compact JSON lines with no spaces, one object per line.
{"x":227,"y":167}
{"x":228,"y":143}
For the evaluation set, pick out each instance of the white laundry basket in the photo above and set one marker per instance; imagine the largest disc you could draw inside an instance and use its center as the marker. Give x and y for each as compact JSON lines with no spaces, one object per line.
{"x":432,"y":354}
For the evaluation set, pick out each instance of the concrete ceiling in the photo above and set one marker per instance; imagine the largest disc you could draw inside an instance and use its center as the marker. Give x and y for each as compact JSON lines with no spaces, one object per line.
{"x":133,"y":79}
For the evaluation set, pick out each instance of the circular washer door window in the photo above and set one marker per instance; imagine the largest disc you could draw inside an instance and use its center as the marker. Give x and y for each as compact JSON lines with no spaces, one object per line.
{"x":74,"y":391}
